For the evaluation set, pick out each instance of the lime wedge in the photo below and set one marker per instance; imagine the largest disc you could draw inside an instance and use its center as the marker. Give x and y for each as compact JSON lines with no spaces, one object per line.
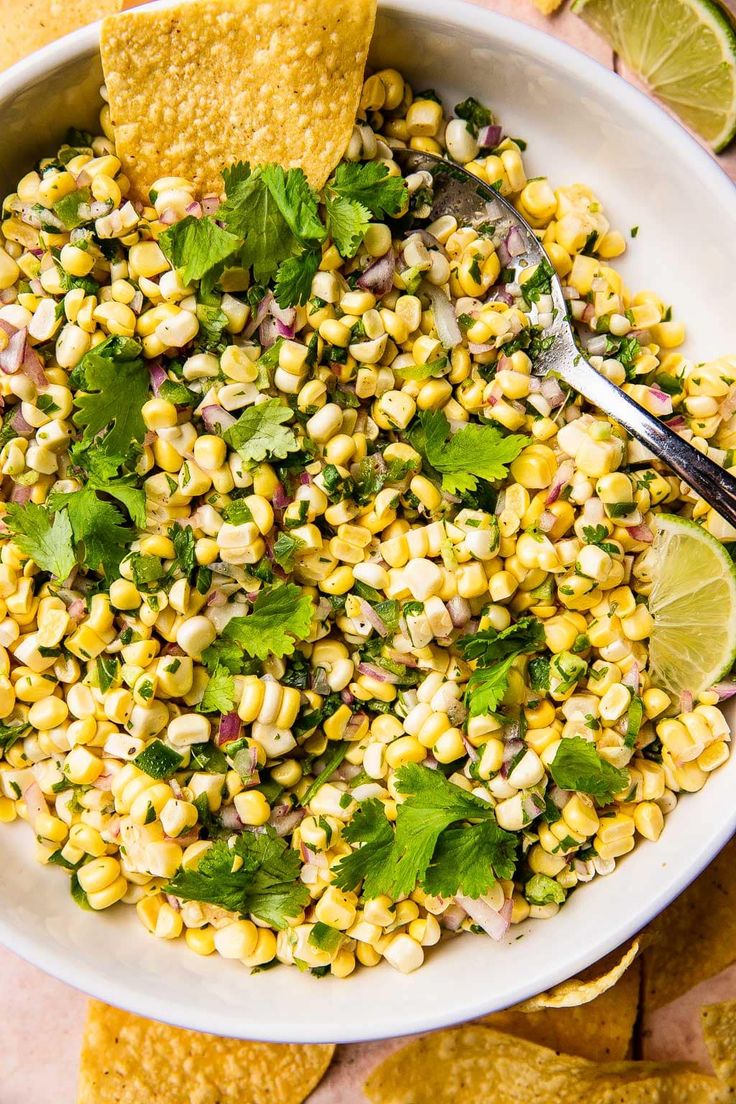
{"x":683,"y":50}
{"x":693,"y":603}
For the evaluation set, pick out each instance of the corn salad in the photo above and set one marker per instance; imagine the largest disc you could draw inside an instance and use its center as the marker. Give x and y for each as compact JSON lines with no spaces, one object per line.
{"x":140,"y":735}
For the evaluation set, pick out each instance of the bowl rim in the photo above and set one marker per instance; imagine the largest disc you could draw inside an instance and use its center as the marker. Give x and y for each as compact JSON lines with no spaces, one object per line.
{"x":387,"y":1023}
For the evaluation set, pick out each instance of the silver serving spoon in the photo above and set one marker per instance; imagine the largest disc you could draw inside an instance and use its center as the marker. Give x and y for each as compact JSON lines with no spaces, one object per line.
{"x":458,"y":192}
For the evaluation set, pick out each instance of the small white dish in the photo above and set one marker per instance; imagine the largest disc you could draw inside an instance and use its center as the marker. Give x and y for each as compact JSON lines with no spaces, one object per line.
{"x":583,"y":124}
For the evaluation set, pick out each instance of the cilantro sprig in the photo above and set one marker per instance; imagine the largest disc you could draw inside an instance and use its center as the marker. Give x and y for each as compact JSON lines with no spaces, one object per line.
{"x":474,"y":452}
{"x":578,"y":766}
{"x":281,"y":616}
{"x":258,"y":876}
{"x":494,"y":653}
{"x":271,"y":222}
{"x":425,"y":849}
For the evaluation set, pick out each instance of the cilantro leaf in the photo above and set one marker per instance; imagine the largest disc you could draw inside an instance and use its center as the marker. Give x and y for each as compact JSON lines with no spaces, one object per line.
{"x":281,"y":616}
{"x":219,"y":693}
{"x":131,"y":497}
{"x":347,"y":221}
{"x":539,"y":283}
{"x":259,"y":432}
{"x":97,"y":529}
{"x":252,"y":214}
{"x":182,"y":537}
{"x":473,"y":452}
{"x":296,"y":200}
{"x":395,"y":862}
{"x":114,"y":390}
{"x":487,"y":686}
{"x":325,"y":938}
{"x":475,"y":115}
{"x":494,"y":654}
{"x":294,"y":278}
{"x":266,"y":885}
{"x":285,"y":550}
{"x":465,"y":859}
{"x":578,"y":766}
{"x":49,"y":544}
{"x":368,"y":183}
{"x":196,"y":246}
{"x":370,"y":828}
{"x":223,"y":653}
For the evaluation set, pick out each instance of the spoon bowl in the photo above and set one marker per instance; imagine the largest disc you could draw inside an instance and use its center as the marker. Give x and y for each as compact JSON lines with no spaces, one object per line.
{"x":459,"y":193}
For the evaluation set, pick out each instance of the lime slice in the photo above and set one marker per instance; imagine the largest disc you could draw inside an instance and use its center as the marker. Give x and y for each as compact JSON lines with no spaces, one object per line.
{"x":693,"y":603}
{"x":683,"y":50}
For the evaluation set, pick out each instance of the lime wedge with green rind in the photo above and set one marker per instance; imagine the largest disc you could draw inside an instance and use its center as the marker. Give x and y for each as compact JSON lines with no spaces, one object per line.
{"x":683,"y":50}
{"x":693,"y":603}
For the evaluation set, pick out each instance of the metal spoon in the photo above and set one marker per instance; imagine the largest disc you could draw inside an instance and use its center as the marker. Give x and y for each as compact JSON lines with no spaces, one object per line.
{"x":457,"y":192}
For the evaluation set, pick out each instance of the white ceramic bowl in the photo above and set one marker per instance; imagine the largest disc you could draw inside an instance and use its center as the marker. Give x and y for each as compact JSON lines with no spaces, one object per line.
{"x":582,"y":124}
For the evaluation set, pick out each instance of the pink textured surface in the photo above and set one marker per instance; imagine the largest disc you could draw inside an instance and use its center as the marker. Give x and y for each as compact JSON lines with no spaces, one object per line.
{"x":41,"y":1022}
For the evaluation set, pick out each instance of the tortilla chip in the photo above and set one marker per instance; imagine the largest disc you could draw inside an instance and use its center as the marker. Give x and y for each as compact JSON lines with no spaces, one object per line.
{"x":129,"y":1060}
{"x":591,"y":983}
{"x":719,"y":1028}
{"x":600,"y":1030}
{"x":199,"y":86}
{"x":695,"y":938}
{"x":30,"y":24}
{"x":476,"y":1063}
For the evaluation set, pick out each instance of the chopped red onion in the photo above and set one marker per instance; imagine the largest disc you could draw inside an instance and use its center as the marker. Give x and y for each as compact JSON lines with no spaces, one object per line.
{"x":501,"y":295}
{"x":476,"y":349}
{"x":677,"y":423}
{"x":346,"y":697}
{"x":194,"y":208}
{"x":305,"y":478}
{"x":641,"y":533}
{"x":515,"y":242}
{"x":686,"y":701}
{"x":552,"y":392}
{"x":532,"y":804}
{"x":454,"y":915}
{"x":494,"y":923}
{"x":445,"y":321}
{"x":378,"y":673}
{"x":8,"y":295}
{"x":11,"y":357}
{"x":217,"y":419}
{"x":725,"y":690}
{"x":229,"y":729}
{"x":504,"y":257}
{"x":347,"y":771}
{"x":168,"y":217}
{"x":32,"y":367}
{"x":210,"y":204}
{"x":489,"y":136}
{"x":20,"y":425}
{"x":20,"y":494}
{"x":354,"y":724}
{"x":406,"y":660}
{"x":459,"y":611}
{"x":631,"y":678}
{"x":157,"y":372}
{"x":472,"y":752}
{"x":378,"y":278}
{"x":370,"y":615}
{"x":280,"y":498}
{"x":284,"y":331}
{"x":559,"y":797}
{"x":284,"y":819}
{"x":260,"y":313}
{"x":230,"y":819}
{"x":34,"y":799}
{"x":511,"y":749}
{"x":588,"y":313}
{"x":268,"y":331}
{"x":597,"y":345}
{"x":285,"y":315}
{"x":563,"y":476}
{"x":662,"y":401}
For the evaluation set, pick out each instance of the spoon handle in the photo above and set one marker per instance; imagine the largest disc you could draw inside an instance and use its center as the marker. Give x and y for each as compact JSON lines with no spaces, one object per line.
{"x":712,"y":482}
